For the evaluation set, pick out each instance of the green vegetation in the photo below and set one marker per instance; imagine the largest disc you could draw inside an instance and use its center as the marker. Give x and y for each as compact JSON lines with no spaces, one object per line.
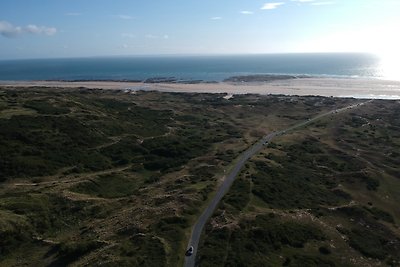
{"x":368,"y":243}
{"x":238,"y":196}
{"x":95,"y":176}
{"x":379,"y":214}
{"x":69,"y":252}
{"x":108,"y":186}
{"x":330,"y":191}
{"x":111,"y":178}
{"x":46,"y":107}
{"x":40,"y":145}
{"x":304,"y":260}
{"x":292,"y":186}
{"x":81,"y":164}
{"x":254,"y":241}
{"x":141,"y":250}
{"x":367,"y":235}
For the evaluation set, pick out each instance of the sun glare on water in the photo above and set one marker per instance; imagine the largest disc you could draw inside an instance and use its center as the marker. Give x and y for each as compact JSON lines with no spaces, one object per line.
{"x":390,"y":66}
{"x":387,"y":47}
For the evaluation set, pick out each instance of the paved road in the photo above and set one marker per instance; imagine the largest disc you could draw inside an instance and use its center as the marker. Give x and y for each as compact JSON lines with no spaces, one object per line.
{"x":230,"y":178}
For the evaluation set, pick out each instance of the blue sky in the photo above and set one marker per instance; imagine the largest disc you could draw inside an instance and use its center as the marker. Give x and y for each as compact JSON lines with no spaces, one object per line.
{"x":79,"y":28}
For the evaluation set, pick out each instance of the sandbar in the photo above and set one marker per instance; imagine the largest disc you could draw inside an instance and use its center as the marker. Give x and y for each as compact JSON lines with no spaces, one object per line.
{"x":329,"y":87}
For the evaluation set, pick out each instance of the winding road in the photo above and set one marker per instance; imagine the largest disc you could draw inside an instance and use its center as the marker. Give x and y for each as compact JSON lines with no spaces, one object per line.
{"x":230,"y":178}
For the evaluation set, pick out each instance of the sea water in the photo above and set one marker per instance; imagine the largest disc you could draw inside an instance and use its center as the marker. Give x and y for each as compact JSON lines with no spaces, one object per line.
{"x":206,"y":68}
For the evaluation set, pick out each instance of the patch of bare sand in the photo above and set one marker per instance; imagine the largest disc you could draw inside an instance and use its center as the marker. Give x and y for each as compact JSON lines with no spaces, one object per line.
{"x":336,"y":87}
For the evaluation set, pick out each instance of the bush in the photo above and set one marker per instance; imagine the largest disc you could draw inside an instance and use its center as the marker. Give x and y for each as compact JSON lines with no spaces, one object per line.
{"x":254,"y":241}
{"x":43,"y":107}
{"x":381,"y":215}
{"x":239,"y":194}
{"x":294,"y":186}
{"x":142,"y":250}
{"x":309,"y":261}
{"x":72,"y":251}
{"x":325,"y":250}
{"x":369,"y":243}
{"x":108,"y":186}
{"x":11,"y":239}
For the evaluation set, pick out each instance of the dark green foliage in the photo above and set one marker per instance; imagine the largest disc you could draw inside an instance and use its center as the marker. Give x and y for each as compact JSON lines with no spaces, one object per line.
{"x":307,"y":261}
{"x":182,"y":222}
{"x":311,"y":152}
{"x":381,"y":215}
{"x":305,"y":178}
{"x":213,"y":251}
{"x":276,"y":233}
{"x":42,"y":215}
{"x":369,"y":243}
{"x":152,"y":179}
{"x":172,"y":152}
{"x":109,"y":186}
{"x":46,"y":213}
{"x":294,"y":187}
{"x":357,"y":121}
{"x":75,"y":133}
{"x":324,"y":250}
{"x":72,"y":251}
{"x":124,"y":151}
{"x":36,"y":146}
{"x":239,"y":194}
{"x":44,"y":107}
{"x":152,"y":135}
{"x":13,"y":238}
{"x":40,"y":145}
{"x":254,"y":241}
{"x":320,"y":173}
{"x":128,"y":117}
{"x":141,"y":250}
{"x":368,"y":236}
{"x":172,"y":229}
{"x":206,"y":191}
{"x":202,"y":173}
{"x":372,"y":183}
{"x":225,"y":156}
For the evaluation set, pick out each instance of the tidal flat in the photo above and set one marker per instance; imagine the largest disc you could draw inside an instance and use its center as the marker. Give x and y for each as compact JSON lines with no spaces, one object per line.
{"x":362,"y":88}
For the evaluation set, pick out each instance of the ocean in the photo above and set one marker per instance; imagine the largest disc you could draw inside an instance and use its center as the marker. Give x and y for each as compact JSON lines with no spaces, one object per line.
{"x":206,"y":68}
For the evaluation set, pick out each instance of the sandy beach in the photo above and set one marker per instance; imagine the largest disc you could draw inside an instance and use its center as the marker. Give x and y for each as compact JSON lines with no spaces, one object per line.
{"x":336,"y":87}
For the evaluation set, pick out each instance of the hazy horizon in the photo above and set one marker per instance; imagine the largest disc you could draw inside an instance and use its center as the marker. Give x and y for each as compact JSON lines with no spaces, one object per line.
{"x":195,"y":55}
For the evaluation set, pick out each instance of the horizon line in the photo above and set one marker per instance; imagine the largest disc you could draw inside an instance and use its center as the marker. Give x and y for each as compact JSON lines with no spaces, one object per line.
{"x":186,"y":55}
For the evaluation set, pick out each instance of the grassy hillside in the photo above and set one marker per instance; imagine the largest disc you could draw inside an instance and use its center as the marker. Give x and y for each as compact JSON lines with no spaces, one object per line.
{"x":324,"y":195}
{"x":98,"y":177}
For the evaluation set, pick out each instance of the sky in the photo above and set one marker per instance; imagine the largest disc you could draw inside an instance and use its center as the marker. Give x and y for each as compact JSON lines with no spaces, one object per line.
{"x":86,"y":28}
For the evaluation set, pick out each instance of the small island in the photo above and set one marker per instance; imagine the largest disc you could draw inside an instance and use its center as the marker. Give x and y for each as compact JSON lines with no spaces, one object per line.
{"x":263,"y":78}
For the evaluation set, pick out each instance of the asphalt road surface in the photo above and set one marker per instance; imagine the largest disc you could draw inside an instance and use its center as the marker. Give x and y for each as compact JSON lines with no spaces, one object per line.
{"x":230,"y":178}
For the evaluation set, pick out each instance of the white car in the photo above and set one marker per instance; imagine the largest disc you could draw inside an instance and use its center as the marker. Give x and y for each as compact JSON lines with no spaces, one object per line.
{"x":189,"y":252}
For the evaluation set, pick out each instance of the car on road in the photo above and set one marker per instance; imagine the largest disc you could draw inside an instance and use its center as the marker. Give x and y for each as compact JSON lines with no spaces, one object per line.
{"x":189,"y":252}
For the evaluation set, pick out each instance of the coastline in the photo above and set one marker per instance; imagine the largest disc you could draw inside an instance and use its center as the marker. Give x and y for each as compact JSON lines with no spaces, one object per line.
{"x":302,"y":86}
